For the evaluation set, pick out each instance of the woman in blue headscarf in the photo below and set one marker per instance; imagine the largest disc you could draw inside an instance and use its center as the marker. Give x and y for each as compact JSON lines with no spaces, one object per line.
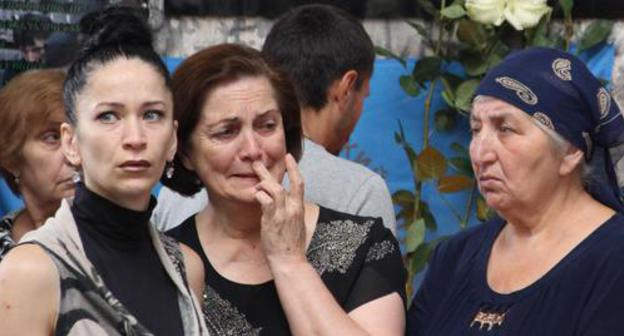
{"x":553,"y":263}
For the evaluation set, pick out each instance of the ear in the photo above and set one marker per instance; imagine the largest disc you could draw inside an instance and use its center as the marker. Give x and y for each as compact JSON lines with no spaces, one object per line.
{"x":173,"y":146}
{"x":571,"y":160}
{"x":69,"y":144}
{"x":342,"y":88}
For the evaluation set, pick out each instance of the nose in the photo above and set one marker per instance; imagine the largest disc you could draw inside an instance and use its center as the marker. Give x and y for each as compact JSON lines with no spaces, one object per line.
{"x":482,"y":151}
{"x":250,"y":150}
{"x":134,"y":134}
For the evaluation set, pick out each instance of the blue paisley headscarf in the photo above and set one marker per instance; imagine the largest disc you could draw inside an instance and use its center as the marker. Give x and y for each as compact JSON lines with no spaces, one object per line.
{"x":558,"y":90}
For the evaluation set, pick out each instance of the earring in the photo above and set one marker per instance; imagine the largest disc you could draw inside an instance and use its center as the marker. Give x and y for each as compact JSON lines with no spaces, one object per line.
{"x":169,"y":170}
{"x":76,"y":176}
{"x":16,"y":178}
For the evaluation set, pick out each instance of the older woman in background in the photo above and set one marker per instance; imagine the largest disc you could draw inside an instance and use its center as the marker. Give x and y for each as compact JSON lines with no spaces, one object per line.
{"x":553,"y":264}
{"x":98,"y":267}
{"x":275,"y":265}
{"x":31,"y":160}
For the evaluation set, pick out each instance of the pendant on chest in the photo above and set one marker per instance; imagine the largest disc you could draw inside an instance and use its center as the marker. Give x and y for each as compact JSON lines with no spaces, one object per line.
{"x":488,"y":319}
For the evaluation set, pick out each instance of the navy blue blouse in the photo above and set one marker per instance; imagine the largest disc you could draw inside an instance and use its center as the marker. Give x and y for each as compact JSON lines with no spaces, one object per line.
{"x":582,"y":295}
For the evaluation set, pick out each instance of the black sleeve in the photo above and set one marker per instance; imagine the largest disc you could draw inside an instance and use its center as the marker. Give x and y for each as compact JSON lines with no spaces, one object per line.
{"x":382,"y":272}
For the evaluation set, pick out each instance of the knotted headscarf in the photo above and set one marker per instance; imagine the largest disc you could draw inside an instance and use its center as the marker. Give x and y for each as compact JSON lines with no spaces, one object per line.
{"x":557,"y":90}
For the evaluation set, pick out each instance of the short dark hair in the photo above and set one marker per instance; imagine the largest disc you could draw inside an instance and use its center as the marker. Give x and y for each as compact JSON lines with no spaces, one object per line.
{"x":107,"y":35}
{"x":205,"y":71}
{"x":32,"y":27}
{"x":315,"y":45}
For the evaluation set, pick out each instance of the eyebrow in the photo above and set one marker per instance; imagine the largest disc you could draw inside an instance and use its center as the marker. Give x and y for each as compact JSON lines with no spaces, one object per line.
{"x":234,"y":119}
{"x":115,"y":104}
{"x":497,"y":116}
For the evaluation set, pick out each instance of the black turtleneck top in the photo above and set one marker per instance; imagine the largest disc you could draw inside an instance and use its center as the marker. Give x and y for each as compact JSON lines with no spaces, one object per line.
{"x":117,"y":242}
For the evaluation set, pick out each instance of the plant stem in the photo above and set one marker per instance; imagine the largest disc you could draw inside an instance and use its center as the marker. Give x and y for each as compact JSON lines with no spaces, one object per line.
{"x":464,"y":223}
{"x":428,"y":112}
{"x":450,"y":206}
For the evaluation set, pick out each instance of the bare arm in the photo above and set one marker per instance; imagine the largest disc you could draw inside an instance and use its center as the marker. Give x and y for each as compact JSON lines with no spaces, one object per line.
{"x":29,"y":292}
{"x":309,"y":306}
{"x":312,"y":310}
{"x":194,"y":271}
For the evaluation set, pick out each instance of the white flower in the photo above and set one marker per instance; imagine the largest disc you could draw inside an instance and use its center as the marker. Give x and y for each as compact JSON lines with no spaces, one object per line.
{"x":486,"y":11}
{"x":522,"y":14}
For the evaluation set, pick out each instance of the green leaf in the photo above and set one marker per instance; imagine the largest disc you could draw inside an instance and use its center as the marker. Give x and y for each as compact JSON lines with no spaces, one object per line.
{"x":460,"y":150}
{"x":430,"y":221}
{"x":453,"y":12}
{"x":403,"y":197}
{"x":566,"y":6}
{"x":451,"y":184}
{"x":462,"y":165}
{"x":471,"y":33}
{"x":483,"y":212}
{"x":427,"y":69}
{"x":419,"y":258}
{"x":430,"y":164}
{"x":444,"y":120}
{"x":428,"y":7}
{"x":448,"y":98}
{"x":474,"y":63}
{"x":387,"y":53}
{"x":597,"y":32}
{"x":409,"y":150}
{"x":409,"y":85}
{"x":464,"y":94}
{"x":537,"y":36}
{"x":415,"y":234}
{"x":423,"y":31}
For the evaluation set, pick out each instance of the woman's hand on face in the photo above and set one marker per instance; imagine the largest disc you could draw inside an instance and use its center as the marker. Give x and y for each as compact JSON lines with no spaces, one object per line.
{"x":283,"y":231}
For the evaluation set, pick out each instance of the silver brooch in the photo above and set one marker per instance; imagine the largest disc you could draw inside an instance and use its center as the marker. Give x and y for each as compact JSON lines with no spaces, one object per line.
{"x":562,"y":68}
{"x":522,"y":91}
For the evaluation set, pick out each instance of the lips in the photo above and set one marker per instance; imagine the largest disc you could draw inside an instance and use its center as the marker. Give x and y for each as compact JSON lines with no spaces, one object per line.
{"x":135,"y":165}
{"x":488,"y":178}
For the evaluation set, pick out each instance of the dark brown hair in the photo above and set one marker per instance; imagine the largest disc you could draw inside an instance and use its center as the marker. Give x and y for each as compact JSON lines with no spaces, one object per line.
{"x":202,"y":73}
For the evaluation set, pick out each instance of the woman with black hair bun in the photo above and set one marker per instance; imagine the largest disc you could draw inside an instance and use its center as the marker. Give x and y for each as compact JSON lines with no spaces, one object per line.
{"x":98,"y":267}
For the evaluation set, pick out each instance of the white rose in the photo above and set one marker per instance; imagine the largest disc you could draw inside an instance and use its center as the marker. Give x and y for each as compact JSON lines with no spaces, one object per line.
{"x":486,"y":11}
{"x":522,"y":14}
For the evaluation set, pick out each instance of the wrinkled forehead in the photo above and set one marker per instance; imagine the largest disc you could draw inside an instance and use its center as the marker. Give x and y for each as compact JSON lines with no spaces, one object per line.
{"x":490,"y":108}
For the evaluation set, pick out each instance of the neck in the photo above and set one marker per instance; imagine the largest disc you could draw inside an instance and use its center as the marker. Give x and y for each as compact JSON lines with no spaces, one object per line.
{"x":233,"y":220}
{"x":556,"y":213}
{"x":138,"y":201}
{"x":36,"y":211}
{"x":317,"y":127}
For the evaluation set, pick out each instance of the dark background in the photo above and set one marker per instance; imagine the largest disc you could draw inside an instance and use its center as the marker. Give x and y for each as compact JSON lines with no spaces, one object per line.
{"x":360,"y":8}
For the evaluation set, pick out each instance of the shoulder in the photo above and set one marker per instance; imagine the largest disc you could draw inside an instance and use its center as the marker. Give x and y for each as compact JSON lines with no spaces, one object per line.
{"x":29,"y":291}
{"x":336,"y":218}
{"x":351,"y":229}
{"x":603,"y":249}
{"x":314,"y":157}
{"x":29,"y":260}
{"x":193,"y":263}
{"x":195,"y":270}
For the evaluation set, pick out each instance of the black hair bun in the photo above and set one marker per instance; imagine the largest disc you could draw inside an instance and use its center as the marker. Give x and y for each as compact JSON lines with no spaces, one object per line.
{"x":113,"y":26}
